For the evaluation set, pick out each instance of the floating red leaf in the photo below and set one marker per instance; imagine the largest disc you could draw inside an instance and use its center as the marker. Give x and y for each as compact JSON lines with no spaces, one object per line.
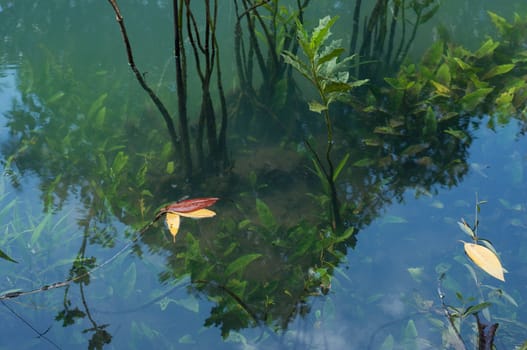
{"x":189,"y":205}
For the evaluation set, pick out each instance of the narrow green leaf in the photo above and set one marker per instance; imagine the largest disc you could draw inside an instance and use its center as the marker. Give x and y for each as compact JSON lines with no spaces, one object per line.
{"x":497,"y":70}
{"x":339,"y":167}
{"x":462,"y":64}
{"x":240,"y":263}
{"x":347,"y":234}
{"x":119,"y":162}
{"x":6,"y":257}
{"x":476,"y":308}
{"x":471,"y":100}
{"x":170,"y":167}
{"x":334,"y":53}
{"x":486,"y":49}
{"x":96,"y":105}
{"x":55,"y":97}
{"x":457,"y":134}
{"x":265,"y":215}
{"x":40,"y":227}
{"x":321,"y":32}
{"x":364,"y":162}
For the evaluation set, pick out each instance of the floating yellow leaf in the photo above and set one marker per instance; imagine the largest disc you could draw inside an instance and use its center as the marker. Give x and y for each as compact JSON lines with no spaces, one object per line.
{"x":197,"y":214}
{"x":172,"y":220}
{"x":485,"y":259}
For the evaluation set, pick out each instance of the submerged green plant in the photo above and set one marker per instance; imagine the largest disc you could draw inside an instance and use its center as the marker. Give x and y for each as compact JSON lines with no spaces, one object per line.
{"x":332,"y":82}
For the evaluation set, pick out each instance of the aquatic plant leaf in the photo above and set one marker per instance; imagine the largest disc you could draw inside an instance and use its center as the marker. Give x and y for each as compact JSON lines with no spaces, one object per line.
{"x":499,"y":22}
{"x":339,"y":167}
{"x":241,"y":263}
{"x":265,"y":215}
{"x":188,"y":205}
{"x":466,"y":228}
{"x":497,"y":70}
{"x":487,"y":48}
{"x":365,"y":162}
{"x":476,"y":308}
{"x":433,"y":55}
{"x":458,"y":134}
{"x":321,"y":32}
{"x":471,"y":100}
{"x":197,"y":214}
{"x":463,"y":65}
{"x":328,"y":56}
{"x":172,"y":220}
{"x":485,"y":259}
{"x":96,"y":105}
{"x":55,"y":97}
{"x":6,"y":257}
{"x":441,"y":89}
{"x":317,"y":107}
{"x":443,"y":74}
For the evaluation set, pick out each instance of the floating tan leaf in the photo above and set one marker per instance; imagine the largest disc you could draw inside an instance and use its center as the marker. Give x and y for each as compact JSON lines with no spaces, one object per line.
{"x":485,"y":259}
{"x":172,"y":220}
{"x":197,"y":214}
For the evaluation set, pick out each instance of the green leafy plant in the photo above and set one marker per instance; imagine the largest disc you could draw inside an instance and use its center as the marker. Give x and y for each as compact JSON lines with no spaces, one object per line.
{"x":331,"y":79}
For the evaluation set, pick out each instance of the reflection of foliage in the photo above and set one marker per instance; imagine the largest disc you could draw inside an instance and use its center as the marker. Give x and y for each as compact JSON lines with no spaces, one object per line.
{"x":414,"y":132}
{"x":266,"y":87}
{"x":333,"y":84}
{"x":265,"y":277}
{"x":387,"y":21}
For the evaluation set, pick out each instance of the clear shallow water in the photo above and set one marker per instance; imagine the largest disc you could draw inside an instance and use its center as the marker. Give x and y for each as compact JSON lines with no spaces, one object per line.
{"x":373,"y":295}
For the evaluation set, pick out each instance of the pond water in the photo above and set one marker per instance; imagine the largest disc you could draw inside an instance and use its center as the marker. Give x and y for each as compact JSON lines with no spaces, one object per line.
{"x":87,"y":162}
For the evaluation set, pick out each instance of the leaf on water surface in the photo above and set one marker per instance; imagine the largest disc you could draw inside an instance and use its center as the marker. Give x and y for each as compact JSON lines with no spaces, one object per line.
{"x":196,"y":214}
{"x":188,"y":205}
{"x":7,"y":257}
{"x":241,"y":263}
{"x":485,"y":259}
{"x":172,"y":220}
